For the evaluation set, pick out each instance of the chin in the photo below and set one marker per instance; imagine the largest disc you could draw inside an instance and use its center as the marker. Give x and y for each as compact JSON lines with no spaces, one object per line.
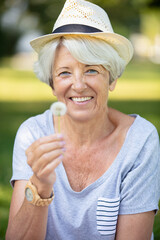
{"x":81,"y":117}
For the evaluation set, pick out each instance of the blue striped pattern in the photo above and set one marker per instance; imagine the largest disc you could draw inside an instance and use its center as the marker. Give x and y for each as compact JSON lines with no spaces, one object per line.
{"x":107,"y":214}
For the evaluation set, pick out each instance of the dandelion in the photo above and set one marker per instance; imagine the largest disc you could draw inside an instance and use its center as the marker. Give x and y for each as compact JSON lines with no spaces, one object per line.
{"x":58,"y":109}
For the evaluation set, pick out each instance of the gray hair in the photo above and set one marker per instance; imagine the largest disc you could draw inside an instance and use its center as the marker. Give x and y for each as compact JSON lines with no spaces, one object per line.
{"x":87,"y":50}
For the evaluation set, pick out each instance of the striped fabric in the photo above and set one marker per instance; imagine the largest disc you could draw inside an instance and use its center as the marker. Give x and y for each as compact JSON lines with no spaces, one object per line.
{"x":107,"y":214}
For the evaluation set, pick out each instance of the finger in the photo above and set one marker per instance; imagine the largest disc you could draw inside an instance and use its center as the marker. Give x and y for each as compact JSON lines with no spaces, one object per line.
{"x":45,"y":159}
{"x":43,"y":149}
{"x":45,"y":139}
{"x":50,"y":168}
{"x":46,"y":148}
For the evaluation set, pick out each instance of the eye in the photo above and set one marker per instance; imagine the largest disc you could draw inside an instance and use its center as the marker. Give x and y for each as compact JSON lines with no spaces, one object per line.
{"x":64,"y":74}
{"x":91,"y":72}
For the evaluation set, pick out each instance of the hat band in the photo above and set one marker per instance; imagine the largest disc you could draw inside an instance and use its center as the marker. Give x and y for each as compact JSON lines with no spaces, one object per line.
{"x":69,"y":28}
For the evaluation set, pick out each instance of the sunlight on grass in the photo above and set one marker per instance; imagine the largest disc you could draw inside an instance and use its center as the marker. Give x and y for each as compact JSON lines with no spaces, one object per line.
{"x":136,"y":90}
{"x":24,"y":91}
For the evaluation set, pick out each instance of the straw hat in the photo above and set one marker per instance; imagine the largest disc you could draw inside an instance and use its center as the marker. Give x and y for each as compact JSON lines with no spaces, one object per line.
{"x":82,"y":18}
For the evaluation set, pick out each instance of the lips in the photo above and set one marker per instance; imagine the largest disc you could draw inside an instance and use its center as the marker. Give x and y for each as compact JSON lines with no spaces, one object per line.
{"x":80,"y":99}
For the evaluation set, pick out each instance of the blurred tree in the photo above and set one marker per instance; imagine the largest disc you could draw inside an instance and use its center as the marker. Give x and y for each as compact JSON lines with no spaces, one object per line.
{"x":9,"y":32}
{"x":21,"y":16}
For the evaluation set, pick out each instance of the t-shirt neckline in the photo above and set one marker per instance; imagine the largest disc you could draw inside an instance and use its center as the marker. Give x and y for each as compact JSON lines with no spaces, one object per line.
{"x":106,"y":174}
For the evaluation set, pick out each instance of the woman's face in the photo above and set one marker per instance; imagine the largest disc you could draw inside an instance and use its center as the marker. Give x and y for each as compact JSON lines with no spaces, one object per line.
{"x":83,"y":88}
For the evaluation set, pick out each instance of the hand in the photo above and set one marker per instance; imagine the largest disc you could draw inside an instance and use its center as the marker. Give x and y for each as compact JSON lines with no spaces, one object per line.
{"x":43,"y":156}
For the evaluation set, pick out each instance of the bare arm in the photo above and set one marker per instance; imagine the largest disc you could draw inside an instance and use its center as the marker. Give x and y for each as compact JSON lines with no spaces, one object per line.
{"x":135,"y":226}
{"x":27,"y":221}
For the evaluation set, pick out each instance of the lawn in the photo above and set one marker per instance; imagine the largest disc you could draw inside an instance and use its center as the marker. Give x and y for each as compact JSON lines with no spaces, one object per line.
{"x":22,"y":96}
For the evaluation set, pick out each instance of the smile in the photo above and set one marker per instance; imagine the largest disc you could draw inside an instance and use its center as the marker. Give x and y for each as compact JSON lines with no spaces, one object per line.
{"x":81,"y":99}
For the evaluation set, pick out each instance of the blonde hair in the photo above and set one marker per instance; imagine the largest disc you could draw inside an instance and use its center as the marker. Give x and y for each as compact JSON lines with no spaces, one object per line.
{"x":87,"y":50}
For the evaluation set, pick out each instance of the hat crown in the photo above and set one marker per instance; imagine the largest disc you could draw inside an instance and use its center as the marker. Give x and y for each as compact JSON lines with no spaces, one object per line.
{"x":83,"y":18}
{"x":84,"y":13}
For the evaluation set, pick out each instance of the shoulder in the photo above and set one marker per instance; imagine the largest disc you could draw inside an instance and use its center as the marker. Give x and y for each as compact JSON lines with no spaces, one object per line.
{"x":120,"y":120}
{"x":34,"y":127}
{"x":140,"y":139}
{"x":140,"y":125}
{"x":38,"y":120}
{"x":144,"y":131}
{"x":142,"y":145}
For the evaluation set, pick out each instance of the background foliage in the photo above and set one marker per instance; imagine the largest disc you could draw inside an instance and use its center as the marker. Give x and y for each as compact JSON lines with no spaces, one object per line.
{"x":20,"y":17}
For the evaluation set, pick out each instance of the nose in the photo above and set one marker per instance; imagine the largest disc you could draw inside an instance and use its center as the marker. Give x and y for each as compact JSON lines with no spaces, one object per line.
{"x":79,"y":84}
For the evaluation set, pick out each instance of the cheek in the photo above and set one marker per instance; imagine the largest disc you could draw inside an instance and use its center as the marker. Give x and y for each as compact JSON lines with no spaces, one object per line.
{"x":102,"y":86}
{"x":102,"y":92}
{"x":60,"y":87}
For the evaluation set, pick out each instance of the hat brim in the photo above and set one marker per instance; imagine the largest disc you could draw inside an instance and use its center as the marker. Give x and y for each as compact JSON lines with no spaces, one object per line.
{"x":121,"y":44}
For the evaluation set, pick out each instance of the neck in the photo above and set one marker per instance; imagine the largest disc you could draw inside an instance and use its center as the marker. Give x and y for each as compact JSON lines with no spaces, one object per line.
{"x":88,"y":132}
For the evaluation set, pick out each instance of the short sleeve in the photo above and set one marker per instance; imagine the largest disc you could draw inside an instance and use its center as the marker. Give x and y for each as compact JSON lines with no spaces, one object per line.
{"x":23,"y":139}
{"x":140,"y":189}
{"x":31,"y":130}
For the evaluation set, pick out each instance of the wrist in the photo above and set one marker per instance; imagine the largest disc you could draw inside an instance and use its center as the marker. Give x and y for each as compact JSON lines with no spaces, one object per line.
{"x":44,"y":190}
{"x":33,"y":196}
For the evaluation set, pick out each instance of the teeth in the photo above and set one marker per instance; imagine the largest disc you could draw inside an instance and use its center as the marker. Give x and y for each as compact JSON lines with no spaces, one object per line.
{"x":81,"y":99}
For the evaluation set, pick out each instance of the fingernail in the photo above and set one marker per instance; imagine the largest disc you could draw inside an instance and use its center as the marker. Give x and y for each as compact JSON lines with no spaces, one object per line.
{"x":62,"y":143}
{"x":59,"y":135}
{"x":64,"y":149}
{"x":61,"y":157}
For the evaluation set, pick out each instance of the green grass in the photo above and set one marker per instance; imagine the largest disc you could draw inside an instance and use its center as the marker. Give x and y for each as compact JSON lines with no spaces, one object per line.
{"x":142,"y":71}
{"x":5,"y":198}
{"x":35,"y":97}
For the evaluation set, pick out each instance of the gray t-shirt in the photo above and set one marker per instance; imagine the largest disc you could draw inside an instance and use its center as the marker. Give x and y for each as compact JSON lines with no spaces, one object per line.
{"x":130,"y":185}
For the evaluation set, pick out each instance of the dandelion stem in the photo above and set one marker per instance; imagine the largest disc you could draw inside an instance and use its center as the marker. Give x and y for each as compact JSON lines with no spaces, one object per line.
{"x":59,"y":129}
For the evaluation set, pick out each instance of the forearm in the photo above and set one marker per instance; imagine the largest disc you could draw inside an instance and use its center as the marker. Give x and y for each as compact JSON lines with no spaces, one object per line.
{"x":28,"y":224}
{"x":26,"y":220}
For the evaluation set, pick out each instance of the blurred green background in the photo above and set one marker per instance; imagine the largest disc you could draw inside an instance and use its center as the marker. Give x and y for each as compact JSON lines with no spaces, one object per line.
{"x":22,"y":95}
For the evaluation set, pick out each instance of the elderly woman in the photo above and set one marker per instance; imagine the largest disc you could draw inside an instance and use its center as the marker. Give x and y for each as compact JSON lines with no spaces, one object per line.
{"x":99,"y":177}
